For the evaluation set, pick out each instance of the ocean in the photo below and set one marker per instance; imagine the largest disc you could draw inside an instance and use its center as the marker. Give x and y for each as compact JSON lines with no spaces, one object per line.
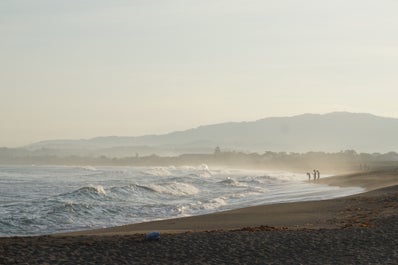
{"x":39,"y":200}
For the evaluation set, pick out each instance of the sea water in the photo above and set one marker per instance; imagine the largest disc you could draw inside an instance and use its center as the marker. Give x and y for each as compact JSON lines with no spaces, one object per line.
{"x":37,"y":200}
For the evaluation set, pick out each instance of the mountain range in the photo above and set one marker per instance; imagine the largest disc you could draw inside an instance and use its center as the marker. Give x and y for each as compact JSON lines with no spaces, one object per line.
{"x":330,"y":132}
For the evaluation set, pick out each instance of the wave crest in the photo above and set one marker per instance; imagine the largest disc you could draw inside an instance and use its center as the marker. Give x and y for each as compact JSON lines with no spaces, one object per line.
{"x":158,"y":171}
{"x":176,"y":189}
{"x":91,"y":192}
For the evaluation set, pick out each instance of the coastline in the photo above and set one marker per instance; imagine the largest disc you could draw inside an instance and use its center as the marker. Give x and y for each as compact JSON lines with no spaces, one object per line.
{"x":293,"y":215}
{"x":359,"y":229}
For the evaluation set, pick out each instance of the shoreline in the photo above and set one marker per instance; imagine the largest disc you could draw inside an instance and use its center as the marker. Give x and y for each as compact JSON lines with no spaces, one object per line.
{"x":292,"y":215}
{"x":357,"y":229}
{"x":369,"y":180}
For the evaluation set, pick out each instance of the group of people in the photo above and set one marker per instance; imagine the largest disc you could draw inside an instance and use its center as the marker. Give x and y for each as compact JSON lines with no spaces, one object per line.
{"x":316,"y":175}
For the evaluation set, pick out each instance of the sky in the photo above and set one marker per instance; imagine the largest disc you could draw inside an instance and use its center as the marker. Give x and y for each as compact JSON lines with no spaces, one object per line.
{"x":81,"y":69}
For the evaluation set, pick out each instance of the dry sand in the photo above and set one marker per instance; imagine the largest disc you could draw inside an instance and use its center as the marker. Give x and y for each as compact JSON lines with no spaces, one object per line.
{"x":359,"y":229}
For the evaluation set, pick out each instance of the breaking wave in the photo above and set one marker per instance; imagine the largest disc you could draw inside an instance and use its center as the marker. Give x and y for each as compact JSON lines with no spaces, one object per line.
{"x":176,"y":189}
{"x":158,"y":171}
{"x":86,"y":192}
{"x":42,"y":200}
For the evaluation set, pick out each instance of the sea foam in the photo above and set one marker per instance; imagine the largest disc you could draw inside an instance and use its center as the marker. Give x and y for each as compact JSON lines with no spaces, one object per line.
{"x":42,"y":200}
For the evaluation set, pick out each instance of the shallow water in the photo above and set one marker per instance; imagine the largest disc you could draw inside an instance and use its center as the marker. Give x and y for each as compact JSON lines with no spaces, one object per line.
{"x":36,"y":200}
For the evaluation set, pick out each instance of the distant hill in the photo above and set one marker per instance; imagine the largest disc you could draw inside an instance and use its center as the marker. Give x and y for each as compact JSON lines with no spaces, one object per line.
{"x":331,"y":132}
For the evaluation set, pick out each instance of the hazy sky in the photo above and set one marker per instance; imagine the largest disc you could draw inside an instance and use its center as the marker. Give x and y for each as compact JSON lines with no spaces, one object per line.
{"x":79,"y":69}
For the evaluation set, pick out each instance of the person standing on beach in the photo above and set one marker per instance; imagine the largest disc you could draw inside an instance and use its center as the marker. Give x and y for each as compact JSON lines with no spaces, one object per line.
{"x":314,"y":174}
{"x":318,"y":174}
{"x":309,"y":176}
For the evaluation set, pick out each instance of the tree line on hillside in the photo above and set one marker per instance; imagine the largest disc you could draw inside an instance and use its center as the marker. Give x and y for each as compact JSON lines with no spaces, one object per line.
{"x":340,"y":161}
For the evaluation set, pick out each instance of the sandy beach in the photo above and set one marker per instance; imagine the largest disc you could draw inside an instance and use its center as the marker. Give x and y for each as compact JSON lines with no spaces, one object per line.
{"x":359,"y":229}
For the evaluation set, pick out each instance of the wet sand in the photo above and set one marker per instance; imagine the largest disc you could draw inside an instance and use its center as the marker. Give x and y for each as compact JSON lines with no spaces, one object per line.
{"x":359,"y":229}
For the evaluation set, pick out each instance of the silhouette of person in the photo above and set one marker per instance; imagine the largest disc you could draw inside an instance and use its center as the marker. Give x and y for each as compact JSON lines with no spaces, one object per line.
{"x":314,"y":174}
{"x":309,"y":176}
{"x":318,"y":174}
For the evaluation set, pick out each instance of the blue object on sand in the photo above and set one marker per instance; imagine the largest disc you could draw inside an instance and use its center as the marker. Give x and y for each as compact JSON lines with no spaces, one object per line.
{"x":153,"y":236}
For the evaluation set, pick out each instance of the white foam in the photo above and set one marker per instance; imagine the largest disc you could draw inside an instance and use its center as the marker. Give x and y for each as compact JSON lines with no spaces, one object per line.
{"x":100,"y":189}
{"x":204,"y":206}
{"x":203,"y":167}
{"x":176,"y":188}
{"x":89,"y":168}
{"x":214,"y":204}
{"x":158,"y":171}
{"x":140,"y":194}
